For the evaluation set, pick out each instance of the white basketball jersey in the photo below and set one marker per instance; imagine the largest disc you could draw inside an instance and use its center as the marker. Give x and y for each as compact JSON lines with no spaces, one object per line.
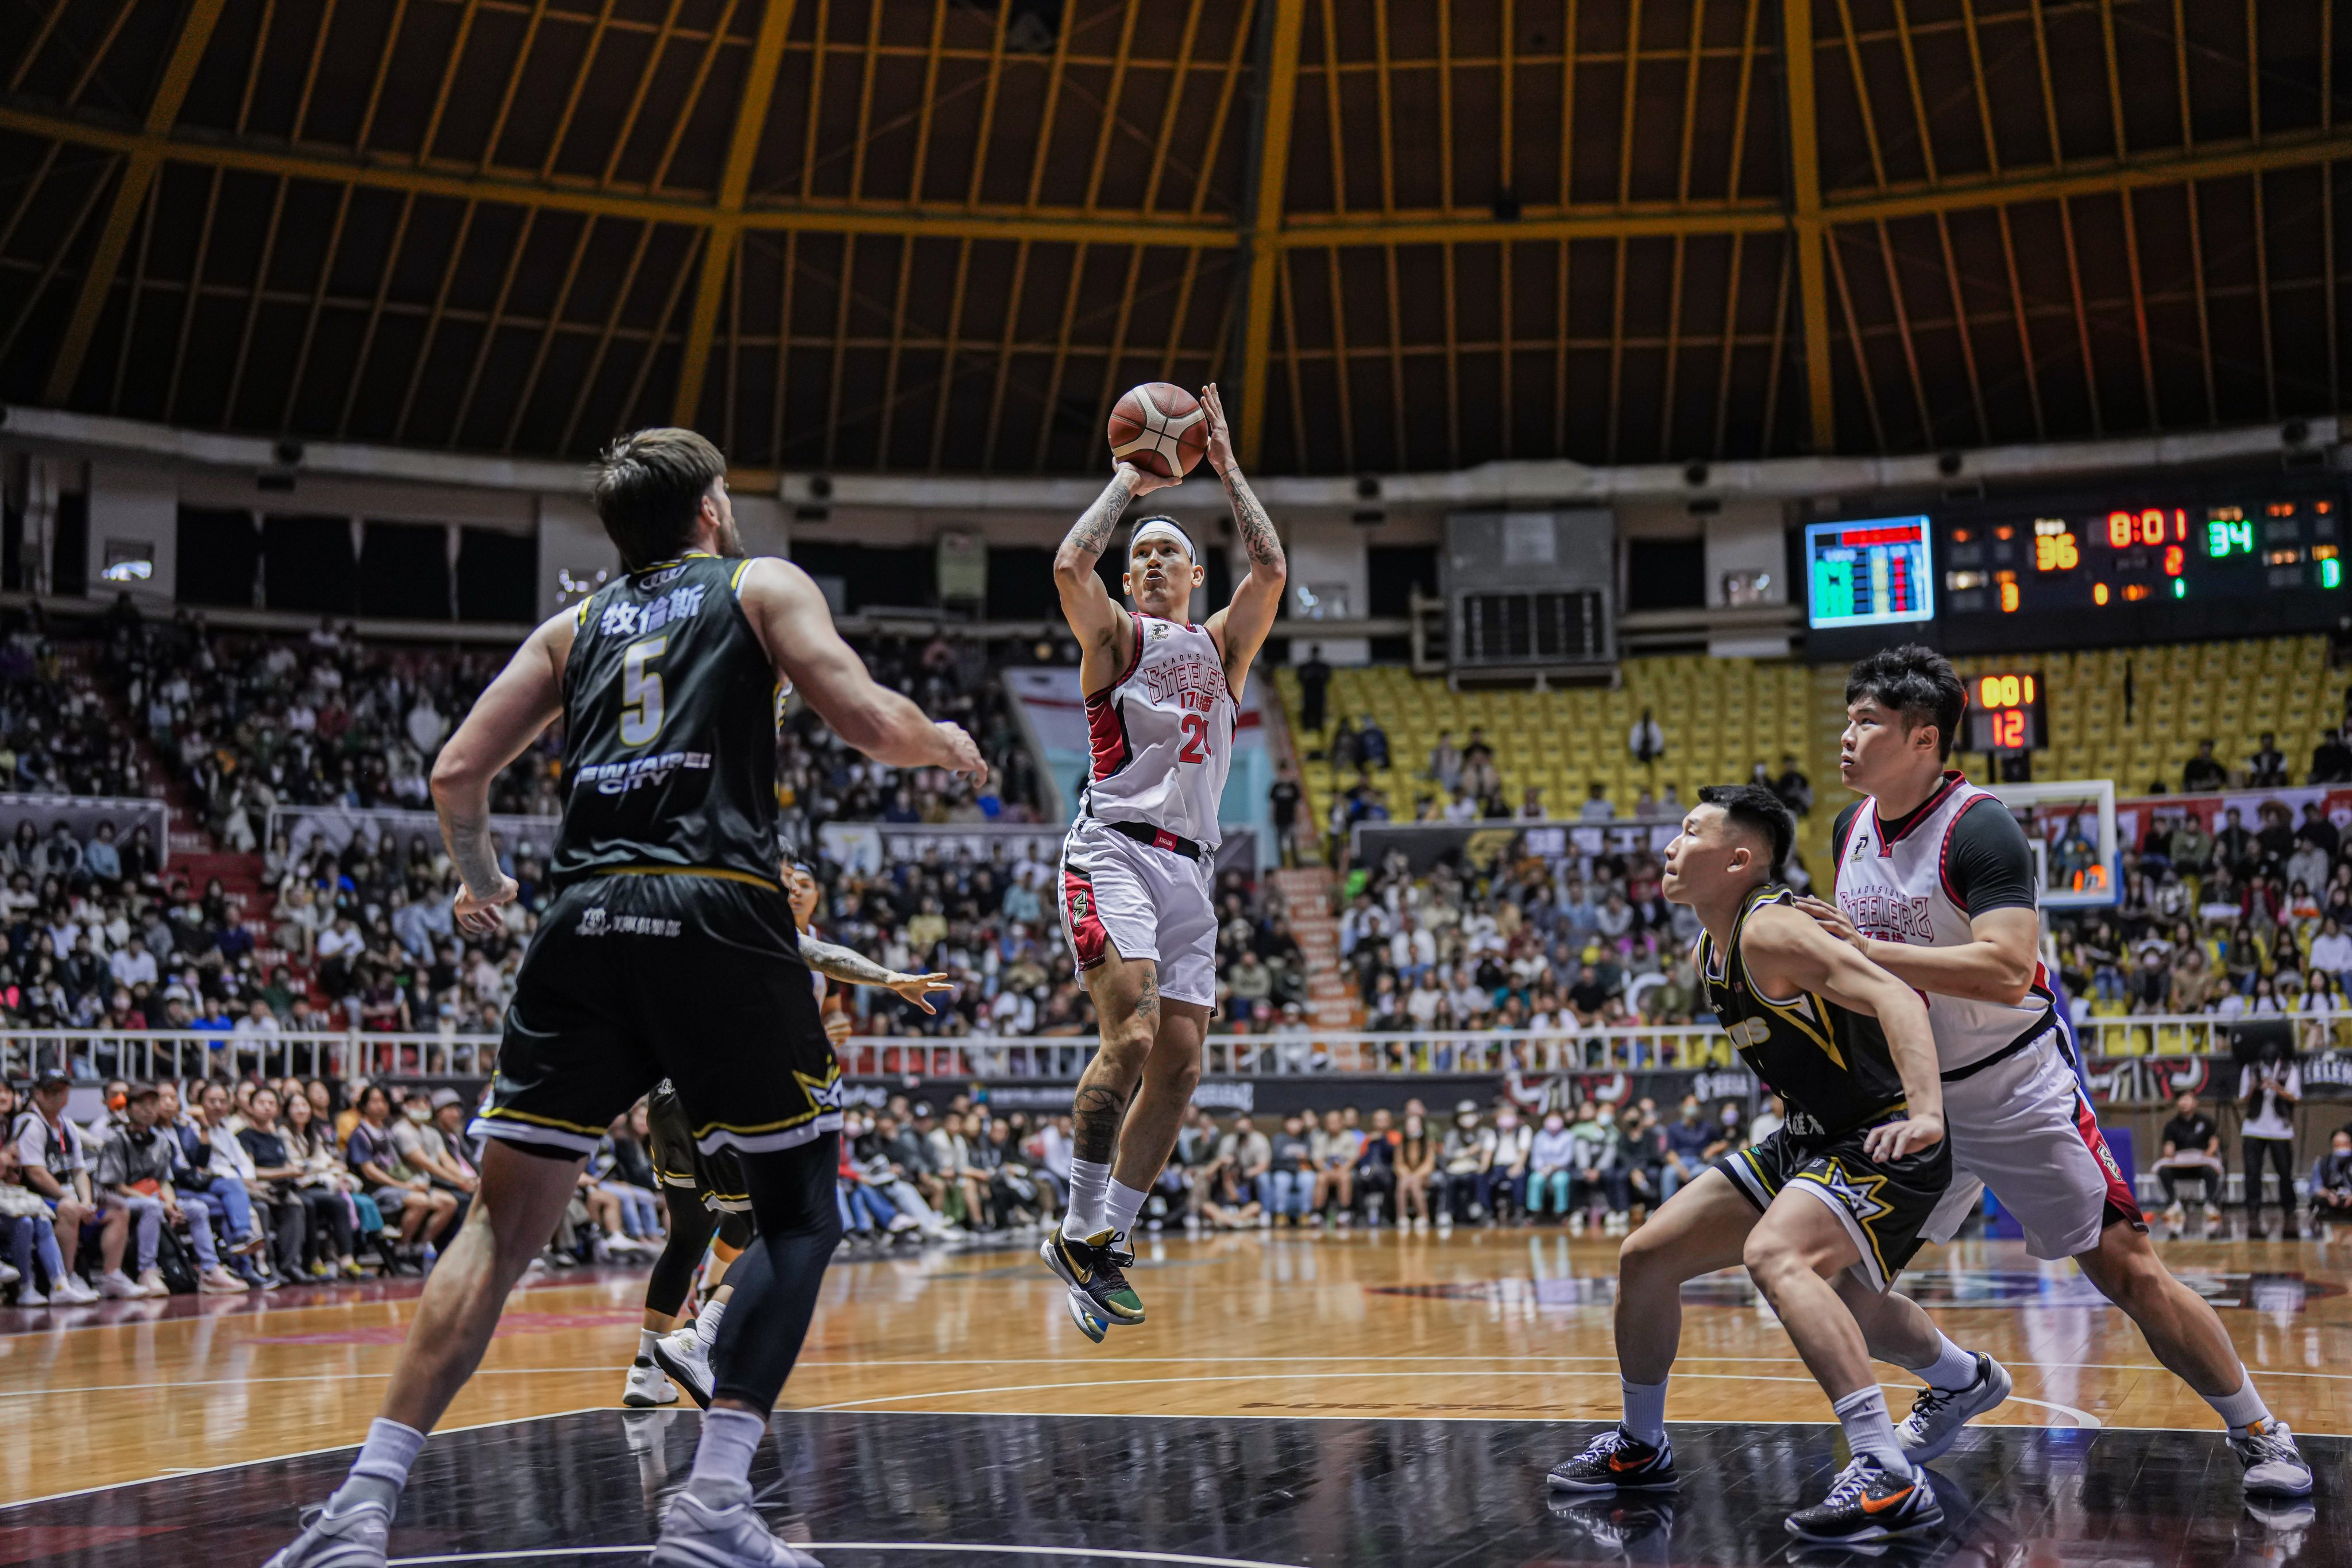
{"x":1162,"y":735}
{"x":1896,"y":890}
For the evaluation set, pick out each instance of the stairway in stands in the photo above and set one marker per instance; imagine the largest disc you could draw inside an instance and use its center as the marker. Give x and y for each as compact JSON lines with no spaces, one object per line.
{"x":1307,"y":899}
{"x":194,"y":859}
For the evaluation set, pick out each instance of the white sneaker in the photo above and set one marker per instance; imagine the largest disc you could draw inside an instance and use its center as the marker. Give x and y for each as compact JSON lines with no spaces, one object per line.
{"x":683,"y":1355}
{"x":2275,"y":1466}
{"x":118,"y":1287}
{"x":30,"y":1296}
{"x":697,"y":1535}
{"x":8,"y":1275}
{"x":647,"y":1387}
{"x":352,"y":1540}
{"x":151,"y":1283}
{"x":1937,"y":1415}
{"x":2213,"y":1217}
{"x":72,"y":1290}
{"x":219,"y":1281}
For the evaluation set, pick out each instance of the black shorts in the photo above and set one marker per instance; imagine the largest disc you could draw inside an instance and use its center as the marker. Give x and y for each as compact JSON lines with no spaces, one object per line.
{"x":1884,"y":1205}
{"x":634,"y":978}
{"x":716,"y":1180}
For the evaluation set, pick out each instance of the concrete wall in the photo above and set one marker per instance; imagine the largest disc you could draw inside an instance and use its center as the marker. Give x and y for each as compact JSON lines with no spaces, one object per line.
{"x":570,"y":540}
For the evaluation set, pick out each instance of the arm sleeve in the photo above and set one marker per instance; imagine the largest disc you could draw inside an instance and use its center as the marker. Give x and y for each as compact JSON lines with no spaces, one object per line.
{"x":1988,"y":864}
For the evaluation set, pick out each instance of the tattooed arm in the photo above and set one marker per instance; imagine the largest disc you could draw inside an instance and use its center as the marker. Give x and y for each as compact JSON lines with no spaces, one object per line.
{"x":525,"y":699}
{"x":855,"y":968}
{"x":1103,"y":630}
{"x":1240,"y":628}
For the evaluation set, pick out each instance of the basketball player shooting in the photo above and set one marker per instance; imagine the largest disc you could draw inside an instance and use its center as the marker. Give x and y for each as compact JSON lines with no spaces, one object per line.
{"x":1934,"y":882}
{"x":1136,"y":867}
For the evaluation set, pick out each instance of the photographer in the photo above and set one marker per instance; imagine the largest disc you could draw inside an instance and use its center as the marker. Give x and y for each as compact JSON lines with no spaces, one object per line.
{"x":2269,"y":1087}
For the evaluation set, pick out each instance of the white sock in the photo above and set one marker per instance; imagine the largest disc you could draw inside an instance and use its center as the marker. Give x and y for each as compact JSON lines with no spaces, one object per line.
{"x":705,"y":1322}
{"x":1645,"y":1409}
{"x":1869,"y":1429}
{"x":1121,"y":1207}
{"x":1089,"y":1187}
{"x":2242,"y":1409}
{"x":722,"y":1460}
{"x":382,"y":1470}
{"x":646,"y":1339}
{"x":1953,"y":1369}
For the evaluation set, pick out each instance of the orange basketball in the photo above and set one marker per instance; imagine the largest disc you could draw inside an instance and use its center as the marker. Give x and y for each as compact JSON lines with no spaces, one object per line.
{"x":1161,"y":428}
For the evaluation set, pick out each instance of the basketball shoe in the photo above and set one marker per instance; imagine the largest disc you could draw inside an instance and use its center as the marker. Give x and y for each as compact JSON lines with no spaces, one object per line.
{"x":647,"y":1386}
{"x":352,"y":1539}
{"x":697,"y":1535}
{"x":1868,"y":1503}
{"x":1082,"y":1312}
{"x":1617,"y":1461}
{"x":683,"y":1355}
{"x":1619,"y":1525}
{"x":1095,"y":1268}
{"x":1938,"y":1413}
{"x":2275,"y":1466}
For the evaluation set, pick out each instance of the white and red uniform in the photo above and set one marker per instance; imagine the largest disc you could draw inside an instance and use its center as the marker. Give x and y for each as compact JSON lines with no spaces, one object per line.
{"x":1137,"y":864}
{"x":2013,"y":1109}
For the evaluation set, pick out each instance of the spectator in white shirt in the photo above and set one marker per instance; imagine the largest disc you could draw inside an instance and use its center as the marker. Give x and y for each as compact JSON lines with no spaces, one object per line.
{"x":132,"y":965}
{"x":2331,"y":950}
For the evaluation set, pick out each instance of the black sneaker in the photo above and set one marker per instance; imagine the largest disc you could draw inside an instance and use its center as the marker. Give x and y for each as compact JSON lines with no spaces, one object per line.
{"x":1093,"y":1267}
{"x":1617,"y":1524}
{"x":1617,"y":1461}
{"x":1869,"y":1502}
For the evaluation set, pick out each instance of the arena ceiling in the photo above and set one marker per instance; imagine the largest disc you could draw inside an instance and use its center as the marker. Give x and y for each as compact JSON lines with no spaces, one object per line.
{"x":1411,"y":234}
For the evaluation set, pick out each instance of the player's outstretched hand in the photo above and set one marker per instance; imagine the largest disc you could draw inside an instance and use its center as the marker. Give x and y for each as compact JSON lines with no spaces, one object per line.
{"x":1220,"y":438}
{"x":1891,"y":1141}
{"x":1832,"y":919}
{"x":968,"y":762}
{"x":838,"y":1028}
{"x":1145,"y":481}
{"x":480,"y":916}
{"x":918,"y":988}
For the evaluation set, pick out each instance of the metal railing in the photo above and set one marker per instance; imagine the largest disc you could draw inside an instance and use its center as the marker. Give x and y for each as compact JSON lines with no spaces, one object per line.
{"x":95,"y":1054}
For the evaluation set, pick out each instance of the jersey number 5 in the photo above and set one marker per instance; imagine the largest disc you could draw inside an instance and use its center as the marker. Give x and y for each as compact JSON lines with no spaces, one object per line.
{"x":1196,"y":739}
{"x":641,"y":692}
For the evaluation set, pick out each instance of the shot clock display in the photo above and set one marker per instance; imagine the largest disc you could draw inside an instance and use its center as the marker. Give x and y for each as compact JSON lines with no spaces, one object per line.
{"x":2005,"y":713}
{"x":2072,"y":572}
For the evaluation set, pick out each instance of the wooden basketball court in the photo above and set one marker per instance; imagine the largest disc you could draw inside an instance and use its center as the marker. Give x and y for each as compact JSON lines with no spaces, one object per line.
{"x":205,"y":1418}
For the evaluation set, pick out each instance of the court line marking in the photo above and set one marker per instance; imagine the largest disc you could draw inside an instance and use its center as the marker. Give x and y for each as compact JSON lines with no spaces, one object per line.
{"x":2082,"y":1418}
{"x":273,"y":1458}
{"x":1185,"y":1558}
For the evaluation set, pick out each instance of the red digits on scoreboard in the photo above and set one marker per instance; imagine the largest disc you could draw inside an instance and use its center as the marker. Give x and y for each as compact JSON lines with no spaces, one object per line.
{"x":2119,"y":529}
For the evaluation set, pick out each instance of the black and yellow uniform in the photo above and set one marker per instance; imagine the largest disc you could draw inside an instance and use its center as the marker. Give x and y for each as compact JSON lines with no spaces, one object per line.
{"x":669,"y":949}
{"x":1832,"y":1066}
{"x":714,"y":1180}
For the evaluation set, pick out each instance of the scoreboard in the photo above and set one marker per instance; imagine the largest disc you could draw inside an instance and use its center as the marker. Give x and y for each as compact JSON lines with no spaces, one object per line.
{"x":1871,"y":572}
{"x":2005,"y":713}
{"x":2084,"y":570}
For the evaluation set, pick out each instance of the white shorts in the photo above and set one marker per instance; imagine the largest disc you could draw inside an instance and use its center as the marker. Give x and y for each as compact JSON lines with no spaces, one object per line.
{"x":1147,"y":902}
{"x":2023,"y":1128}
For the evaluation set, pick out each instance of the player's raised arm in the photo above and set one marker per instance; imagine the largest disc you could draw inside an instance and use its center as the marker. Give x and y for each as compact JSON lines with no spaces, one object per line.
{"x":513,"y":709}
{"x":1101,"y":628}
{"x":794,"y":622}
{"x":1784,"y":951}
{"x":1996,"y":964}
{"x":1240,"y":628}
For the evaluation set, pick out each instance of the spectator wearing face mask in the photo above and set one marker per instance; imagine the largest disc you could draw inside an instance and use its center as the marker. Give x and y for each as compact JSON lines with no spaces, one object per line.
{"x":1635,"y":1183}
{"x":1506,"y":1180}
{"x":1551,"y":1164}
{"x":1469,"y":1158}
{"x":1688,"y":1139}
{"x":1290,"y":1174}
{"x":2331,"y":1181}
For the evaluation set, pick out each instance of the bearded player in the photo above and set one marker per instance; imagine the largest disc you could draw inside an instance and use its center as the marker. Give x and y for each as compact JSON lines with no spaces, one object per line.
{"x":1162,"y":698}
{"x":1934,"y":881}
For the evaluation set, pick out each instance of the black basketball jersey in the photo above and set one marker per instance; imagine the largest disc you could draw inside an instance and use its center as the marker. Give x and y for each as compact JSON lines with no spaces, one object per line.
{"x":669,"y":705}
{"x":1829,"y":1062}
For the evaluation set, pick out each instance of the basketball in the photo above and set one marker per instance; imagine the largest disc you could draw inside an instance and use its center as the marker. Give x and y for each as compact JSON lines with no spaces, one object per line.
{"x":1160,"y":427}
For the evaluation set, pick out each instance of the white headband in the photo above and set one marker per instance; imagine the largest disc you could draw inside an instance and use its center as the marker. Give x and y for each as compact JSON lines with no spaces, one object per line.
{"x":1157,"y":526}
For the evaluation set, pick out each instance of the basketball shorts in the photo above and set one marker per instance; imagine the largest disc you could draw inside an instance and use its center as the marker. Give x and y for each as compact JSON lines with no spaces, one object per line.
{"x":635,"y":978}
{"x":1147,"y":903}
{"x":716,"y":1181}
{"x":2023,"y":1128}
{"x":1884,"y":1205}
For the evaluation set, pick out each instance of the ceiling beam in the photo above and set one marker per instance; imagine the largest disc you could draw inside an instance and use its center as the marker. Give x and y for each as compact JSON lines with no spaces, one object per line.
{"x":726,"y":224}
{"x":131,"y":195}
{"x":1806,"y":228}
{"x":1261,"y":231}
